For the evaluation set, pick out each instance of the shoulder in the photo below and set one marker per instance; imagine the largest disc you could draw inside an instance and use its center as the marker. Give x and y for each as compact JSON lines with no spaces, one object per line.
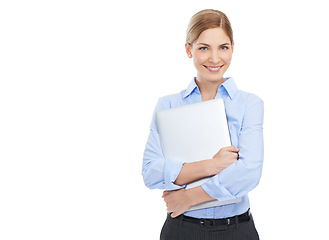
{"x":253,"y":108}
{"x":169,"y":101}
{"x":248,"y":98}
{"x":165,"y":102}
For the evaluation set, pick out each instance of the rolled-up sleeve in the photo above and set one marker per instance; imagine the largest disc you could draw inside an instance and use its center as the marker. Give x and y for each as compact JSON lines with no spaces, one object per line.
{"x":159,"y":172}
{"x":244,"y":175}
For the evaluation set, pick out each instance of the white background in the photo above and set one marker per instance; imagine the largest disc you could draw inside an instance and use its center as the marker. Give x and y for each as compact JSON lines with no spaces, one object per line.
{"x":79,"y":82}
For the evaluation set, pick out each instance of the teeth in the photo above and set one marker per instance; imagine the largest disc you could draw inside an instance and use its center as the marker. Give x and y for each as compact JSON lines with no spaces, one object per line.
{"x":214,"y":69}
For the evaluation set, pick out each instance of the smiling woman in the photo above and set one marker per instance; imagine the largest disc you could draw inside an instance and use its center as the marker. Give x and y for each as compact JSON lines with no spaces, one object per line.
{"x":209,"y":43}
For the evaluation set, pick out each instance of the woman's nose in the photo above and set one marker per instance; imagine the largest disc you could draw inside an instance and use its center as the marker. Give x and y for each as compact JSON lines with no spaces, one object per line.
{"x":215,"y":57}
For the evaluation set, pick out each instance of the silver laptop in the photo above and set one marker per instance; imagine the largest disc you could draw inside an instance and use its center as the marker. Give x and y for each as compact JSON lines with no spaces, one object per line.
{"x":194,"y":132}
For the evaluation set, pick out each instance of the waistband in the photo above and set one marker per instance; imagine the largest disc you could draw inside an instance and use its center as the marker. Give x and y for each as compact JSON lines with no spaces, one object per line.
{"x":245,"y":217}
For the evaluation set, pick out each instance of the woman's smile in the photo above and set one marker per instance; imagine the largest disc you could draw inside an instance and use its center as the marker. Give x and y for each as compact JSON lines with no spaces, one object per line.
{"x":213,"y":69}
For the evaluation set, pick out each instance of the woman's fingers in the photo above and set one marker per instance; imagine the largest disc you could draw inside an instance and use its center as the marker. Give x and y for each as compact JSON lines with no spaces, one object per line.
{"x":232,"y":149}
{"x":165,"y":193}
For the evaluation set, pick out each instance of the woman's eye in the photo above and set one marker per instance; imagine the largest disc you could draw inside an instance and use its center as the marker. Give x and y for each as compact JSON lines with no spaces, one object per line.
{"x":203,"y":48}
{"x":223,"y":48}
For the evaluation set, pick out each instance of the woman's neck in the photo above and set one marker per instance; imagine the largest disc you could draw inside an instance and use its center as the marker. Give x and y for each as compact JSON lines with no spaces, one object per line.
{"x":208,"y":89}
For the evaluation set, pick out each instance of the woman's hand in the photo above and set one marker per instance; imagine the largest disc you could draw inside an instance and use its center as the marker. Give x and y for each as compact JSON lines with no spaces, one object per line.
{"x":224,"y":158}
{"x":178,"y":201}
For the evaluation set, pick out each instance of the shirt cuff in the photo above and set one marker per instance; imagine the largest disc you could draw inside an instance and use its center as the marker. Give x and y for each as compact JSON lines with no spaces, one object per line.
{"x":172,"y":169}
{"x":216,"y":190}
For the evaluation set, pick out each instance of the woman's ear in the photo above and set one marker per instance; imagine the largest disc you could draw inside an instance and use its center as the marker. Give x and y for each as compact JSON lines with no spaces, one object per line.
{"x":232,"y":47}
{"x":188,"y":50}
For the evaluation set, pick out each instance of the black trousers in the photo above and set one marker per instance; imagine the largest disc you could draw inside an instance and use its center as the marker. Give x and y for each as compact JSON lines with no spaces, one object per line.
{"x":177,"y":228}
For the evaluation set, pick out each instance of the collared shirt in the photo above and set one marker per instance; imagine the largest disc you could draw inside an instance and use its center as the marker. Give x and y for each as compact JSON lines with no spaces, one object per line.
{"x":245,"y":113}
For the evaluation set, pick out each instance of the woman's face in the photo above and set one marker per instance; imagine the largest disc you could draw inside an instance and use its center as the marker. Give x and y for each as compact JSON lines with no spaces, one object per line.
{"x":212,"y":54}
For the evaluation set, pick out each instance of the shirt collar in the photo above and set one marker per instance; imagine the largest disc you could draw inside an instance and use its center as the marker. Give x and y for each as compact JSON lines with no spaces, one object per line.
{"x":190,"y":88}
{"x":229,"y":85}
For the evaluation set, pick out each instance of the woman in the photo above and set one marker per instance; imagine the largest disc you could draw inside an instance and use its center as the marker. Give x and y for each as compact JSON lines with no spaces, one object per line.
{"x":235,"y":169}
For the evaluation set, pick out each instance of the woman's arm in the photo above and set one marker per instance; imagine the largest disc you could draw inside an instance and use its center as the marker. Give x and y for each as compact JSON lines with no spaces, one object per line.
{"x":159,"y":172}
{"x":196,"y":170}
{"x":244,"y":175}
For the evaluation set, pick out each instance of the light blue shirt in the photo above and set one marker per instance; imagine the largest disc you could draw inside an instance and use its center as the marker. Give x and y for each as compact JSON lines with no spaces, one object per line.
{"x":245,"y":113}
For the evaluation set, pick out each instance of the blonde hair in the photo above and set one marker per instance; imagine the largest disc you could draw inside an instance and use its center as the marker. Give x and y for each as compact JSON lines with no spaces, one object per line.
{"x":207,"y":19}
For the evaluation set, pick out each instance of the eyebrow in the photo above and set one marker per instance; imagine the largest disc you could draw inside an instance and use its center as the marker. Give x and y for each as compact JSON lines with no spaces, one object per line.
{"x":205,"y":44}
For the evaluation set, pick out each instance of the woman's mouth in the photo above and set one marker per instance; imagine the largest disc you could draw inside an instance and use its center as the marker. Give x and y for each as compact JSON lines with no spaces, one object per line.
{"x":213,"y":68}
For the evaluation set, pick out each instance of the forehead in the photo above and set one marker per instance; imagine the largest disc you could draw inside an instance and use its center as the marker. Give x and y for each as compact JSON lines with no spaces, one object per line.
{"x":213,"y":36}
